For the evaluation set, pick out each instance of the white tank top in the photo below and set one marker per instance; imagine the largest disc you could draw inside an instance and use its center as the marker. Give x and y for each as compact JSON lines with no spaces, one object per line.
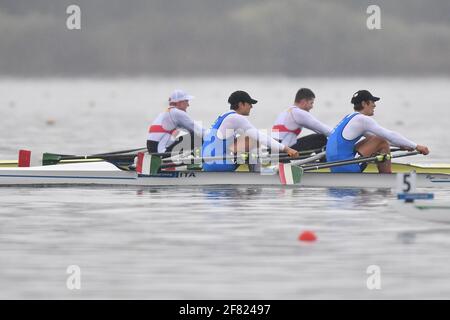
{"x":164,"y":127}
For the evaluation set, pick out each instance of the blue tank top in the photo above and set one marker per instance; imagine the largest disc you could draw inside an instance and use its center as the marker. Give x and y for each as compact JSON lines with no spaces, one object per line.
{"x":213,"y":146}
{"x":339,"y":148}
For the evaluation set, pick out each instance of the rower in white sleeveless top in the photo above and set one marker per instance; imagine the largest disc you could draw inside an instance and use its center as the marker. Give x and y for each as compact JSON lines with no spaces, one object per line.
{"x":290,"y":123}
{"x":164,"y":129}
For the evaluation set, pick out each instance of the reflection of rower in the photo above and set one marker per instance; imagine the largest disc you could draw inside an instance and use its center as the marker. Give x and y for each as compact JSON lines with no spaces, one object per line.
{"x":163,"y":130}
{"x":222,"y":139}
{"x":343,"y":141}
{"x":290,"y":123}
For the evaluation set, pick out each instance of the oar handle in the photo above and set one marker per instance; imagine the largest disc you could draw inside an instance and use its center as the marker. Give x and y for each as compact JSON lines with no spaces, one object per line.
{"x":278,"y":156}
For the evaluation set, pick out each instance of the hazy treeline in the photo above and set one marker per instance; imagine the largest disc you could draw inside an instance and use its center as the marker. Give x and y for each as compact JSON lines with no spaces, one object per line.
{"x":217,"y":37}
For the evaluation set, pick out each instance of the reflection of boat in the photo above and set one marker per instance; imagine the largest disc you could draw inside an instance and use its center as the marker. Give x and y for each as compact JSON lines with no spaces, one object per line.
{"x":426,"y":210}
{"x":234,"y":193}
{"x":341,"y":193}
{"x":104,"y":173}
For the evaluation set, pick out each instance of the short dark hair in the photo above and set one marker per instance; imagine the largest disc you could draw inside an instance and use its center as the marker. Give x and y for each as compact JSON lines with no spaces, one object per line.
{"x":304,"y":93}
{"x":234,"y":106}
{"x":358,"y":106}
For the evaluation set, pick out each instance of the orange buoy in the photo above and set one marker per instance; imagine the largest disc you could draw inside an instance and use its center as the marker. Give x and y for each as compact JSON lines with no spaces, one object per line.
{"x":307,"y":236}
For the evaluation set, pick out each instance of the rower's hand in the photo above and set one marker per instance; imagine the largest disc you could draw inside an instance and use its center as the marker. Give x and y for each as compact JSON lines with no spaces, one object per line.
{"x":291,"y":152}
{"x":422,"y":149}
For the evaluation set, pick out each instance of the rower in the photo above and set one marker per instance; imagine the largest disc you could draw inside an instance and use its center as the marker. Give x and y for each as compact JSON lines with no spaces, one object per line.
{"x":164,"y":129}
{"x":222,"y":140}
{"x":290,"y":123}
{"x":343,"y":141}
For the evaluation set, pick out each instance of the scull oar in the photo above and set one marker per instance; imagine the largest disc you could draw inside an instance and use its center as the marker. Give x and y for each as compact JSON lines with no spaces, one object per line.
{"x":291,"y":173}
{"x":377,"y":158}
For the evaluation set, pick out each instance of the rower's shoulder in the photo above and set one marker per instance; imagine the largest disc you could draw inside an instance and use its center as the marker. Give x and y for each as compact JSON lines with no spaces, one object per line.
{"x":357,"y":115}
{"x":178,"y":112}
{"x":362,"y":119}
{"x":298,"y":112}
{"x":294,"y":109}
{"x":237,"y":120}
{"x":234,"y":115}
{"x":175,"y":110}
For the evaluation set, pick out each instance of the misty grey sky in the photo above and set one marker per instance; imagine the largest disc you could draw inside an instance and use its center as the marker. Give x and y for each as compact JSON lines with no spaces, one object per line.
{"x":212,"y":37}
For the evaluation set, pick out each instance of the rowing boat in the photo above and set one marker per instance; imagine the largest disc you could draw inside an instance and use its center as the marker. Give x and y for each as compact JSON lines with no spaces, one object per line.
{"x":105,"y":173}
{"x":371,"y":167}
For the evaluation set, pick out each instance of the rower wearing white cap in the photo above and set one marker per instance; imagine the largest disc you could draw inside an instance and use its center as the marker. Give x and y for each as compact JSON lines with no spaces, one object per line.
{"x":164,"y":129}
{"x":290,"y":123}
{"x":222,"y":139}
{"x":344,"y":140}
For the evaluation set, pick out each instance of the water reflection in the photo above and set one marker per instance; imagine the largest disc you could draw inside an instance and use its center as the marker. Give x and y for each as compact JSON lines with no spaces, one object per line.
{"x":406,"y":237}
{"x":237,"y":193}
{"x":339,"y":198}
{"x":211,"y":192}
{"x":439,"y":236}
{"x":358,"y":198}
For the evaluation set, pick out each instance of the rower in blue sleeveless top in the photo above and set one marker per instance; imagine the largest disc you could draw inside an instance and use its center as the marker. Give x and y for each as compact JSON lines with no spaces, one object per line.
{"x":213,"y":146}
{"x":338,"y":148}
{"x":344,"y":140}
{"x":222,"y":141}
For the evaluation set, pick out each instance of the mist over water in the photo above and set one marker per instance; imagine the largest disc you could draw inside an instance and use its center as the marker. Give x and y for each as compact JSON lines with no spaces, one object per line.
{"x":216,"y":38}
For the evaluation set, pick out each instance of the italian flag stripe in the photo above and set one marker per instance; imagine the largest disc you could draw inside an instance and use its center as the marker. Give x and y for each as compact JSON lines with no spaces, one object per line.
{"x":140,"y":160}
{"x":281,"y":173}
{"x":289,"y":174}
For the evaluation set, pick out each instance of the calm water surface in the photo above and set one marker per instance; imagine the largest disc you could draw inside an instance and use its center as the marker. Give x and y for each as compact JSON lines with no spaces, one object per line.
{"x":215,"y":242}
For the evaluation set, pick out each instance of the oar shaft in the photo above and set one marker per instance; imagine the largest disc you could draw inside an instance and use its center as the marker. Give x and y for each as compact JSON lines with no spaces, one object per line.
{"x":169,"y":155}
{"x":300,"y":153}
{"x":309,"y":159}
{"x":278,"y":156}
{"x":112,"y":156}
{"x":357,"y":160}
{"x":200,"y":159}
{"x":107,"y":155}
{"x":172,"y":165}
{"x":96,"y":154}
{"x":300,"y":160}
{"x":119,"y":152}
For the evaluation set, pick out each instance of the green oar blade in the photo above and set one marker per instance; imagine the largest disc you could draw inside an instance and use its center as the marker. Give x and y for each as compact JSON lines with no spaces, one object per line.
{"x":155,"y":164}
{"x":297,"y":174}
{"x":50,"y":158}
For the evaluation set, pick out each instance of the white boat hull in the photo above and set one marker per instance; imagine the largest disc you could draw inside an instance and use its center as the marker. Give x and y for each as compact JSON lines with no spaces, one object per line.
{"x":107,"y":174}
